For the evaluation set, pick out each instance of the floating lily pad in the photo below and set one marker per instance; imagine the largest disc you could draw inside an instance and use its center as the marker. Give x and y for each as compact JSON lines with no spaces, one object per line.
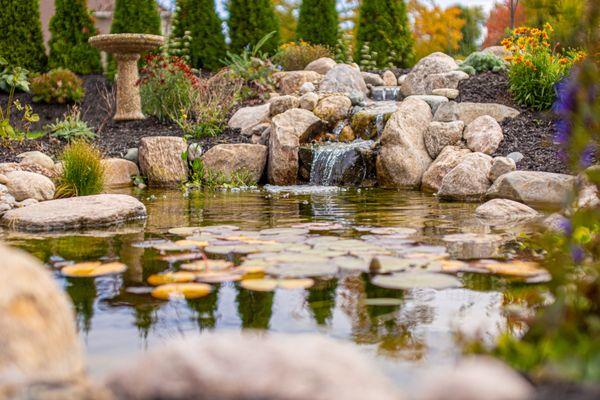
{"x":385,"y":265}
{"x":218,"y":276}
{"x":302,"y":270}
{"x":219,"y":229}
{"x":207,"y":265}
{"x":322,"y":240}
{"x":268,"y":285}
{"x":171,"y":277}
{"x":398,"y":231}
{"x":291,"y":258}
{"x":416,"y":280}
{"x":284,"y":231}
{"x":185,"y":231}
{"x":93,"y":269}
{"x":172,"y":246}
{"x":173,"y":258}
{"x":242,"y":249}
{"x":291,"y":284}
{"x":181,"y":290}
{"x":516,"y":268}
{"x":351,"y":263}
{"x":148,"y":244}
{"x":320,"y":226}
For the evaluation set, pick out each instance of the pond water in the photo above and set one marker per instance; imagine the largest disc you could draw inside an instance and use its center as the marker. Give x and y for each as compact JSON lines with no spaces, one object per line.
{"x":117,"y":318}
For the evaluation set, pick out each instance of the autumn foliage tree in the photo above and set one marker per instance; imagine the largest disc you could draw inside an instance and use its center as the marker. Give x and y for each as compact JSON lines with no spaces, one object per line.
{"x":436,"y":28}
{"x":565,"y":16}
{"x":498,"y":23}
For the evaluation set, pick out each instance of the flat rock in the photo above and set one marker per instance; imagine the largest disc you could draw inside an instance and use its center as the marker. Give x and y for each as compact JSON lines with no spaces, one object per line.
{"x":450,"y":94}
{"x":473,"y":246}
{"x":23,"y":185}
{"x":468,"y":112}
{"x":228,"y":159}
{"x":534,"y":188}
{"x":161,"y":160}
{"x":76,"y":213}
{"x":36,"y":158}
{"x":433,"y":101}
{"x":118,"y":172}
{"x":248,"y":117}
{"x":505,"y":210}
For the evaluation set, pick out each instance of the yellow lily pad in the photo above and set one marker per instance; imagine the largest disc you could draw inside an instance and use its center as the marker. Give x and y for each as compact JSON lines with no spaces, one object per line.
{"x":218,"y":276}
{"x":171,"y":277}
{"x":194,"y":243}
{"x":516,"y":268}
{"x":181,"y":290}
{"x":291,"y":284}
{"x":207,"y":265}
{"x":259,"y":285}
{"x":93,"y":269}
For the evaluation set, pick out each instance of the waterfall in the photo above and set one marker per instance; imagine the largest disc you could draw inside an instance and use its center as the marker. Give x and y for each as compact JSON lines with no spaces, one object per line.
{"x":339,"y":163}
{"x":385,"y":93}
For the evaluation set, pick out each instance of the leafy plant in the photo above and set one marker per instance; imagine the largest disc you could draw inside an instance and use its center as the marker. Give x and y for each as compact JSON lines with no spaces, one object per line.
{"x":83,"y":171}
{"x":296,"y":56}
{"x":13,"y":78}
{"x":166,"y":85}
{"x":202,"y":178}
{"x":57,"y":86}
{"x":71,"y":127}
{"x":343,"y":49}
{"x":482,"y":62}
{"x":535,"y":68}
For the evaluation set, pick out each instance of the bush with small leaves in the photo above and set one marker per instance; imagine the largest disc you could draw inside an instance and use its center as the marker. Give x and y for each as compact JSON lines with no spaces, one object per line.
{"x":482,"y":62}
{"x":296,"y":56}
{"x":57,"y":86}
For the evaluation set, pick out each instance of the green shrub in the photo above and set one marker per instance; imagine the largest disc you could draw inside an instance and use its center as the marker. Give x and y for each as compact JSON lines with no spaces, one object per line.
{"x":199,"y":20}
{"x":166,"y":86}
{"x":368,"y":58}
{"x":534,"y":68}
{"x":318,"y":22}
{"x":71,"y":27}
{"x":482,"y":62}
{"x":83,"y":171}
{"x":249,"y":22}
{"x":384,"y":25}
{"x":201,"y":178}
{"x":296,"y":56}
{"x":57,"y":86}
{"x":21,"y":41}
{"x":71,"y":127}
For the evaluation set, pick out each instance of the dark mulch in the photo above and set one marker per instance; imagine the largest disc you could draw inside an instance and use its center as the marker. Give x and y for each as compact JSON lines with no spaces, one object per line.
{"x":97,"y":109}
{"x":565,"y":390}
{"x":531,"y":133}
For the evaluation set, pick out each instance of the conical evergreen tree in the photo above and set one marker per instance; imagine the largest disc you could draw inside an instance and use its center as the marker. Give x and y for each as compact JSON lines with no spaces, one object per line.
{"x":21,"y":40}
{"x":136,"y":16}
{"x":71,"y":27}
{"x":318,"y":22}
{"x":208,"y":42}
{"x":383,"y":25}
{"x":250,"y":21}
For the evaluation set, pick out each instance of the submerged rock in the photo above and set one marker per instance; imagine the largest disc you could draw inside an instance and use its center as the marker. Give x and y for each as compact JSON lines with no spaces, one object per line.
{"x":229,"y":159}
{"x":473,"y":246}
{"x":76,"y":213}
{"x":273,"y":367}
{"x":534,"y":188}
{"x":161,"y":160}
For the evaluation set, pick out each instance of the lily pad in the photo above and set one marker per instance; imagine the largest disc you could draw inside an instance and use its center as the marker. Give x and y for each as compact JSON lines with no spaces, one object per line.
{"x":185,"y":230}
{"x":416,"y":280}
{"x":172,"y":246}
{"x":386,"y":265}
{"x":181,"y":290}
{"x":268,"y":285}
{"x":284,"y":231}
{"x":218,"y":276}
{"x":398,"y":231}
{"x":320,"y":226}
{"x":207,"y":265}
{"x":302,"y":270}
{"x":93,"y":269}
{"x":173,"y":258}
{"x":171,"y":277}
{"x":219,"y":229}
{"x":351,"y":263}
{"x":516,"y":268}
{"x":291,"y":284}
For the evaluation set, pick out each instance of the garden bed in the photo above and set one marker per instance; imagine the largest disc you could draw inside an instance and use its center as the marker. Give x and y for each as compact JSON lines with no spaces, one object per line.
{"x":113,"y":138}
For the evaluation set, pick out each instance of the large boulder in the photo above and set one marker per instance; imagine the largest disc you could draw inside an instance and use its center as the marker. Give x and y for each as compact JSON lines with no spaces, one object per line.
{"x":403,"y":158}
{"x":229,"y":159}
{"x":469,"y":112}
{"x":290,"y":82}
{"x":39,"y":340}
{"x":273,"y":367}
{"x":433,"y":101}
{"x":534,"y":188}
{"x":484,"y":135}
{"x":333,"y":109}
{"x":441,"y":134}
{"x":468,"y":181}
{"x":76,"y":213}
{"x":418,"y":80}
{"x":23,"y":185}
{"x":445,"y":80}
{"x":36,"y":158}
{"x":281,"y":104}
{"x":247,"y":118}
{"x":288,"y":130}
{"x":503,"y":210}
{"x":161,"y":160}
{"x":322,"y":65}
{"x":449,"y":158}
{"x":343,"y":79}
{"x":5,"y":168}
{"x":118,"y":172}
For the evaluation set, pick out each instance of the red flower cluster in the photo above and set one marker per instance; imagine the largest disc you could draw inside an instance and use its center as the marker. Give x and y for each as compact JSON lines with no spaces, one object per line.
{"x":157,"y":66}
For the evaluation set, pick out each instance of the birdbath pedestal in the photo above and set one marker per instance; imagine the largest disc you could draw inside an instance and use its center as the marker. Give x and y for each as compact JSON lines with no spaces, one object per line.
{"x":127,"y":48}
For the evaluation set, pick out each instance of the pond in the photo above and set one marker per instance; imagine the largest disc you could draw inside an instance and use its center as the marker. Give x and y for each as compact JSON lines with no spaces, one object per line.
{"x":404,"y":330}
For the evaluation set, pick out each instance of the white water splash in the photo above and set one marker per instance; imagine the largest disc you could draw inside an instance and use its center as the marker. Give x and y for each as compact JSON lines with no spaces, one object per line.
{"x":327,"y":166}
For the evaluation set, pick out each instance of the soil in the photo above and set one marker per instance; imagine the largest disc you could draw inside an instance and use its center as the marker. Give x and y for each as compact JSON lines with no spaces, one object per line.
{"x":531,"y":133}
{"x":557,"y":390}
{"x":97,"y":108}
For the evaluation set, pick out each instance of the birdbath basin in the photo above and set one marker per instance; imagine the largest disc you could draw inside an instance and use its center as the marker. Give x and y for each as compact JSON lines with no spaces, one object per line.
{"x":127,"y":48}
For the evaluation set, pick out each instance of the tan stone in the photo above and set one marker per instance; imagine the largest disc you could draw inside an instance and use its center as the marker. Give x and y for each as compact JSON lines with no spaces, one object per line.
{"x":322,"y":65}
{"x":502,"y":210}
{"x":118,"y":172}
{"x":441,"y":134}
{"x":468,"y":112}
{"x":161,"y":160}
{"x":332,"y":109}
{"x":29,"y":185}
{"x":468,"y":181}
{"x":343,"y":79}
{"x":347,"y":134}
{"x":449,"y":158}
{"x":247,"y":118}
{"x":281,"y":104}
{"x":290,"y":82}
{"x":534,"y":188}
{"x":228,"y":159}
{"x":36,"y":158}
{"x":483,"y":135}
{"x":389,"y":79}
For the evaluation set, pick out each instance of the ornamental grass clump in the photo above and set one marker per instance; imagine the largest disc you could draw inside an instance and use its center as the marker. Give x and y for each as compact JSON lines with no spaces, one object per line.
{"x":535,"y":67}
{"x":296,"y":56}
{"x":83,"y":171}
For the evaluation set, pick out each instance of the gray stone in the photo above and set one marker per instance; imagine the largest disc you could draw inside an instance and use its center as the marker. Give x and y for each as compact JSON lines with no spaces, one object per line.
{"x":309,"y":101}
{"x":516,"y":157}
{"x":483,"y":135}
{"x":468,"y":112}
{"x":468,"y":181}
{"x":307,"y":87}
{"x":343,"y":79}
{"x":447,"y":112}
{"x":248,"y":117}
{"x":195,"y":151}
{"x":445,"y":80}
{"x":322,"y":65}
{"x":357,"y":98}
{"x":534,"y":188}
{"x":372,"y":79}
{"x":266,"y":366}
{"x":36,"y":158}
{"x":433,"y":101}
{"x":473,"y":246}
{"x":132,"y":155}
{"x":161,"y":160}
{"x":24,"y":185}
{"x":229,"y":159}
{"x":441,"y":134}
{"x":449,"y":158}
{"x":557,"y":223}
{"x":503,"y":210}
{"x":75,"y":213}
{"x":501,"y":166}
{"x":283,"y":103}
{"x":418,"y":80}
{"x":448,"y":93}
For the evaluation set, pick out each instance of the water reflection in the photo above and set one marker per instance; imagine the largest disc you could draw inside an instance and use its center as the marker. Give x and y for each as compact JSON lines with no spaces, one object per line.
{"x":118,"y":317}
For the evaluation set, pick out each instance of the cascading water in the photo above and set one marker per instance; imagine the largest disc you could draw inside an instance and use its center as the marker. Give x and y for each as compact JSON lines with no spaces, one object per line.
{"x":340,"y":163}
{"x":385,"y":93}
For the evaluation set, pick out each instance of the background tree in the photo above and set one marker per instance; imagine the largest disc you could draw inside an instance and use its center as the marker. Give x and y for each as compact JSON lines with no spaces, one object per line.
{"x":71,"y":27}
{"x":200,"y":18}
{"x":565,"y":16}
{"x":136,"y":16}
{"x":287,"y":14}
{"x":250,"y":21}
{"x":498,"y":23}
{"x":21,"y":41}
{"x":383,"y":25}
{"x":436,"y":29}
{"x":472,"y":31}
{"x":318,"y":22}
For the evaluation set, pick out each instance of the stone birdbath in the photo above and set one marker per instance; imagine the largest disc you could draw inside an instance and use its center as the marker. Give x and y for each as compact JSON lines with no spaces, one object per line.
{"x":127,"y":48}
